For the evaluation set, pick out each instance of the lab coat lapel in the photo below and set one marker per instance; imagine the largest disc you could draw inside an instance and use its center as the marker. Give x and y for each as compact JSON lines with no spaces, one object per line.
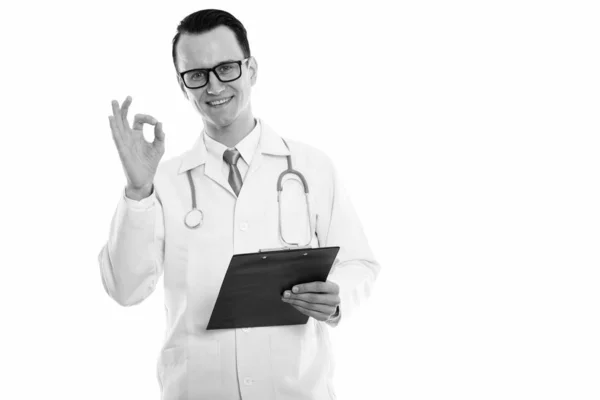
{"x":198,"y":156}
{"x":270,"y":143}
{"x":212,"y":169}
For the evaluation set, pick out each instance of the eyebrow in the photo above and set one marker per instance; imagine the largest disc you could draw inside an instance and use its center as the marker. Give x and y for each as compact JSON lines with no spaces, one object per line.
{"x":219,"y":63}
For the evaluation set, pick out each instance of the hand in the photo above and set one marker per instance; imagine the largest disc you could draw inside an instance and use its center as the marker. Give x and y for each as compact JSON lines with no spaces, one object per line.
{"x":139,"y":158}
{"x":316,"y":299}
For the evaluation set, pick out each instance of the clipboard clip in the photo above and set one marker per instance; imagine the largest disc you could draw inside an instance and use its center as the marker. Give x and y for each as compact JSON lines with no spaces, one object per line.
{"x":294,"y":247}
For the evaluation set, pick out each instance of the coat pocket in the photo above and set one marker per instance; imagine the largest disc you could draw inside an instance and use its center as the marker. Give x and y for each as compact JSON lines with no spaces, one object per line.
{"x":172,"y":366}
{"x":192,"y":371}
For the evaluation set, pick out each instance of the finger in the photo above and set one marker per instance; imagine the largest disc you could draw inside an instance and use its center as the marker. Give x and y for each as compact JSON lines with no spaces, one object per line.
{"x":141,"y":119}
{"x":317,"y":298}
{"x":314,"y":287}
{"x":334,"y":287}
{"x":116,"y":134}
{"x":124,"y":110}
{"x":159,"y":135}
{"x":316,"y":315}
{"x":117,"y":115}
{"x":321,"y":308}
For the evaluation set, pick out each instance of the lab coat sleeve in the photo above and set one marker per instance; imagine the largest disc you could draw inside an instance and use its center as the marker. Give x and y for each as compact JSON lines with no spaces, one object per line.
{"x":355,"y":268}
{"x":131,"y":262}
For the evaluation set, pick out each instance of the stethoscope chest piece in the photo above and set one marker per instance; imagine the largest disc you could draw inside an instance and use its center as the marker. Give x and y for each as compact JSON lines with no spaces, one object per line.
{"x":194,"y":218}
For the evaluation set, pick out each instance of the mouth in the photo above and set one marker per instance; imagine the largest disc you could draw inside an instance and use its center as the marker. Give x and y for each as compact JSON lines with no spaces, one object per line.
{"x":219,"y":103}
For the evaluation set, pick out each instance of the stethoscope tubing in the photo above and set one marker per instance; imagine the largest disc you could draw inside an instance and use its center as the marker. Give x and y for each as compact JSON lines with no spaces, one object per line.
{"x":289,"y":170}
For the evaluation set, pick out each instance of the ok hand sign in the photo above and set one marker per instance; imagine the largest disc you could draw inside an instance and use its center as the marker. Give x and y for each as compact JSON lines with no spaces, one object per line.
{"x":139,"y":158}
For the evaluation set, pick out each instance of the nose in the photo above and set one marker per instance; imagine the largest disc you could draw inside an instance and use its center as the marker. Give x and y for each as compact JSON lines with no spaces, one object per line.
{"x":215,"y":86}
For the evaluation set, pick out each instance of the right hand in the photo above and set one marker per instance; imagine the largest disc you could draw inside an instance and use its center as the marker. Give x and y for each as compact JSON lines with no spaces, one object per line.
{"x":139,"y":158}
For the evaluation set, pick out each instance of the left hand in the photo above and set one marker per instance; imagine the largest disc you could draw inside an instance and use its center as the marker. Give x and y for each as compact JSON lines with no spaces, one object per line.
{"x":316,"y":299}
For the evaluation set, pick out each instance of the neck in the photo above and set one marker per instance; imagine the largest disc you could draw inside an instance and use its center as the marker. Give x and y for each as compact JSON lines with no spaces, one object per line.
{"x":233,"y":133}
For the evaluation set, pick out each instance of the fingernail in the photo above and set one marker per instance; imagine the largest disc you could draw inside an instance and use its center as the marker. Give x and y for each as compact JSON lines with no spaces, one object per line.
{"x":286,"y":294}
{"x":295,"y":289}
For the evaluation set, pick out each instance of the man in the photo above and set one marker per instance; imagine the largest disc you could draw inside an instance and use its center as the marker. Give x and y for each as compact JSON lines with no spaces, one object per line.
{"x":231,"y":175}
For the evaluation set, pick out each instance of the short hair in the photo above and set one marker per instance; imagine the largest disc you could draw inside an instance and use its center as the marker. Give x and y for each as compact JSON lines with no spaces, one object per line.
{"x":205,"y":20}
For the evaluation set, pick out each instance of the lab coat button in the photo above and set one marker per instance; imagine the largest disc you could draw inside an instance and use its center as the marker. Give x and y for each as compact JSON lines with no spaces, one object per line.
{"x":244,"y":226}
{"x":248,"y":381}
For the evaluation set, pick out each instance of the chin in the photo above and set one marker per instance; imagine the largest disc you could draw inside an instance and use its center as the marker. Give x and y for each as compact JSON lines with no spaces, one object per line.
{"x":222,"y":121}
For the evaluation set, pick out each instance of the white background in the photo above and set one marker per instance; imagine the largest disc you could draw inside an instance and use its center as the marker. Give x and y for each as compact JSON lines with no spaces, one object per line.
{"x":467,"y":133}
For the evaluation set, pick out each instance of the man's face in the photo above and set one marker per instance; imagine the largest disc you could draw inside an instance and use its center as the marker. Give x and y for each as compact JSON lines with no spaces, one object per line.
{"x":207,"y":50}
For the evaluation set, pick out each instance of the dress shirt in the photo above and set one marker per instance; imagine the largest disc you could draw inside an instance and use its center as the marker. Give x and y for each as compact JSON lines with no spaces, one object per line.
{"x":247,"y":147}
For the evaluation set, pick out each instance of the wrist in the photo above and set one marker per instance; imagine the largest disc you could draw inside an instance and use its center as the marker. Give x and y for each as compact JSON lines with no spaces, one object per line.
{"x":139,"y":193}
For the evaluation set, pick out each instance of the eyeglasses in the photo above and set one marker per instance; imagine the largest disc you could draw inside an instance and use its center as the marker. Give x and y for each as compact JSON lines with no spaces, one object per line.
{"x":225,"y":72}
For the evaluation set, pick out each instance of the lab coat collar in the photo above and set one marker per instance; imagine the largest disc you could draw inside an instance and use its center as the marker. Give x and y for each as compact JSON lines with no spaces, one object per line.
{"x":247,"y":146}
{"x":270,"y":143}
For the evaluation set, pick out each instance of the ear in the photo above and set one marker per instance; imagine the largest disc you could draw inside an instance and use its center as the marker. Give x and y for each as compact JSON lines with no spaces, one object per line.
{"x":253,"y":69}
{"x":182,"y":86}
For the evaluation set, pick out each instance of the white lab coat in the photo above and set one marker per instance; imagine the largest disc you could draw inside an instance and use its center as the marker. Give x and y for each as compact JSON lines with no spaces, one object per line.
{"x":149,"y":237}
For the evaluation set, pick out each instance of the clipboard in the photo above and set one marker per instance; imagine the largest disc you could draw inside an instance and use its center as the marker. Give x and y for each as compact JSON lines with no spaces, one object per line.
{"x":251,"y":292}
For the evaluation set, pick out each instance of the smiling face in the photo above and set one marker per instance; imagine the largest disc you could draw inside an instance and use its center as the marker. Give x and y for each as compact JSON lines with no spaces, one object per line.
{"x":206,"y":50}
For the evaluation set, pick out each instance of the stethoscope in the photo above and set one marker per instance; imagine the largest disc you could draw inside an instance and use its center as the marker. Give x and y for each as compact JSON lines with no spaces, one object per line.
{"x":195,"y":217}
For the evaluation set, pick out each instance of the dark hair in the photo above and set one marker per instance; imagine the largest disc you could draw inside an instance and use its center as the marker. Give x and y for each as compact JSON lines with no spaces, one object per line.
{"x":205,"y":20}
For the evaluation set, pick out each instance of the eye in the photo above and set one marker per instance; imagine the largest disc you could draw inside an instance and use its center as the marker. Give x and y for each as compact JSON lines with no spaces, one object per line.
{"x":197,"y":75}
{"x":225,"y":68}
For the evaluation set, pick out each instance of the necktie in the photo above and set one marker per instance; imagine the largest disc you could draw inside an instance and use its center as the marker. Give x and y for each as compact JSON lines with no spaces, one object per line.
{"x":231,"y":157}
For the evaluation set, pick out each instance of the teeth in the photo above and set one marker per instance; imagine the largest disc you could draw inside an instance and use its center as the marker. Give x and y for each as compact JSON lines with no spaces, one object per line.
{"x":216,"y":103}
